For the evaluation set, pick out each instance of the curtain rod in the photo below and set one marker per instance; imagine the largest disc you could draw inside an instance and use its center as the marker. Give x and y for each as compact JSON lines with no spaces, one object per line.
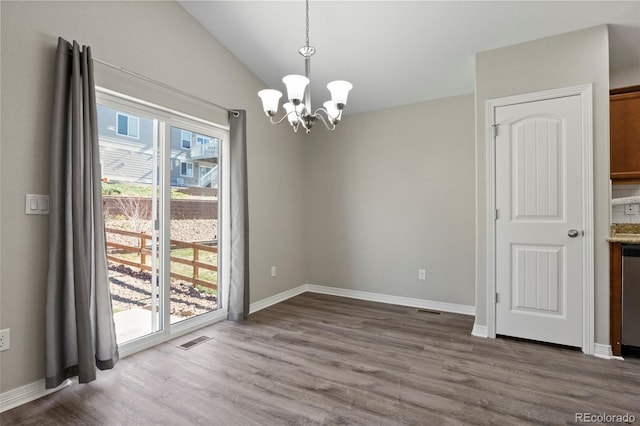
{"x":163,"y":85}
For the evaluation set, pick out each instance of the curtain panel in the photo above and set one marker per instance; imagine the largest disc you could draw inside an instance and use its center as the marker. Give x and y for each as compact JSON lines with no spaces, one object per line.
{"x":238,"y":307}
{"x":80,"y":332}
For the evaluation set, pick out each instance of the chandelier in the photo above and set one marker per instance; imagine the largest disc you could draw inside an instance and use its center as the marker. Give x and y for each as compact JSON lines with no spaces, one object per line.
{"x":298,"y":110}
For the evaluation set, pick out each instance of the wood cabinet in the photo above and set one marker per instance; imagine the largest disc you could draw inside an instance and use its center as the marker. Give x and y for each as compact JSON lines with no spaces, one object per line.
{"x":624,"y":111}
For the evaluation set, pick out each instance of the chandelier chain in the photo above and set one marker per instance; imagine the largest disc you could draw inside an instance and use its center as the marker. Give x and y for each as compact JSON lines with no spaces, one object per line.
{"x":307,"y":29}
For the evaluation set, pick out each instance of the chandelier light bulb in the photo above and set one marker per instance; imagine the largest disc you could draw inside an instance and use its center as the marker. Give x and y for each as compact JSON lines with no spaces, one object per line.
{"x":295,"y":87}
{"x":339,"y":91}
{"x":270,"y":99}
{"x":292,"y":116}
{"x":332,"y":111}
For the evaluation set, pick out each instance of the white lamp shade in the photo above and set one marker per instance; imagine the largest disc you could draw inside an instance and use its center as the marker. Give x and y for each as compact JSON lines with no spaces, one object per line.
{"x":334,"y":113}
{"x":291,"y":116}
{"x":339,"y":91}
{"x":295,"y":87}
{"x":270,"y":99}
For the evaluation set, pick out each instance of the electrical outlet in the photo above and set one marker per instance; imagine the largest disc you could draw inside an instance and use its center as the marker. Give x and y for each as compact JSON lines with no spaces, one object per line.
{"x":5,"y":339}
{"x":273,"y":271}
{"x":422,"y":274}
{"x":631,"y":209}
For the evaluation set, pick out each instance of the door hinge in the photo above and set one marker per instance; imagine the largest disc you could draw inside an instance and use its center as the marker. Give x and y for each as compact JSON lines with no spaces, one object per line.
{"x":496,"y":214}
{"x":497,"y":297}
{"x":494,"y":128}
{"x":156,"y":225}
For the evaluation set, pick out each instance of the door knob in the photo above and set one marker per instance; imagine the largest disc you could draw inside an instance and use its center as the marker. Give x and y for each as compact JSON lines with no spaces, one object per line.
{"x":572,"y":233}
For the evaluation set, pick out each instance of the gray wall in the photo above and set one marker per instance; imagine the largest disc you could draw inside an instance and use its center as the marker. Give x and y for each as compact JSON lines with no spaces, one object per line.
{"x":624,"y":77}
{"x":565,"y":60}
{"x":390,"y":192}
{"x":142,"y":37}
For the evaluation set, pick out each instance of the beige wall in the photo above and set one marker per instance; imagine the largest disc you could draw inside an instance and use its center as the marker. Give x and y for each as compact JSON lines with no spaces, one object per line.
{"x":624,"y":77}
{"x":565,"y":60}
{"x":390,"y":192}
{"x":159,"y":40}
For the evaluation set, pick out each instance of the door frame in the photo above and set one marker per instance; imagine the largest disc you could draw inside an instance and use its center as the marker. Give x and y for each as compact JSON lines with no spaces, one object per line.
{"x":585,"y":91}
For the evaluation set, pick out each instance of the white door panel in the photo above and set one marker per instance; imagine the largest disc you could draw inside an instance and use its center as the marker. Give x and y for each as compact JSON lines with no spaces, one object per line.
{"x":539,"y":199}
{"x":538,"y":288}
{"x":537,"y":165}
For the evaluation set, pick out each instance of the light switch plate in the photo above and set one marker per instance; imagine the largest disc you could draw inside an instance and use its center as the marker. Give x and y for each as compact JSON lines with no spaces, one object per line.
{"x":5,"y":339}
{"x":36,"y":204}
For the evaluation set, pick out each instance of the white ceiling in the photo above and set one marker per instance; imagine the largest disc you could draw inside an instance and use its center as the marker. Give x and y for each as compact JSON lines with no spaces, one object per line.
{"x":400,"y":52}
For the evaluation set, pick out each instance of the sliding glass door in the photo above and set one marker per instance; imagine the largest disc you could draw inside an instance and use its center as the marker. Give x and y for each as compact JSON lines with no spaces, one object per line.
{"x":194,"y":221}
{"x":129,"y":156}
{"x":161,"y":187}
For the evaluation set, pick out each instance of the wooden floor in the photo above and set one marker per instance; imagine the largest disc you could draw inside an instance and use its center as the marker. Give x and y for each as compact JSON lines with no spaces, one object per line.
{"x":318,"y":359}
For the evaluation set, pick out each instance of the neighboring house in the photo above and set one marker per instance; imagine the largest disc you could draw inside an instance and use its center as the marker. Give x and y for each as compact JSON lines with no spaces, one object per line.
{"x":126,"y":151}
{"x":194,"y":159}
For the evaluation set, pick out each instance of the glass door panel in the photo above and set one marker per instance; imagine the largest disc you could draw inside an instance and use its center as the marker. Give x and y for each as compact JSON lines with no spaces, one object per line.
{"x":160,"y":183}
{"x":193,"y":223}
{"x":129,"y":160}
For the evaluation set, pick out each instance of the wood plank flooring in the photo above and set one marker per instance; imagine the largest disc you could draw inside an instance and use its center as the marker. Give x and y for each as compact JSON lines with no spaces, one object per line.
{"x":318,"y":359}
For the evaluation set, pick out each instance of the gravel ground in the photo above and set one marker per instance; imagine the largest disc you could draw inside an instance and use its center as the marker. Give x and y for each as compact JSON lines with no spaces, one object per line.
{"x":131,"y":288}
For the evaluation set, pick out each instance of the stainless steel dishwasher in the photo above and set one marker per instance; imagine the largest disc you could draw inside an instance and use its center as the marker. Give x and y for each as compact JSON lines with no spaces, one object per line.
{"x":631,"y":295}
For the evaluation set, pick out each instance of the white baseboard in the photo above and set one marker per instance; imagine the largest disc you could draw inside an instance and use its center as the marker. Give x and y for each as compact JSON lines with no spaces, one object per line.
{"x":27,"y":393}
{"x":363,"y":295}
{"x":604,"y":351}
{"x":480,"y":330}
{"x":394,"y":300}
{"x":276,"y":298}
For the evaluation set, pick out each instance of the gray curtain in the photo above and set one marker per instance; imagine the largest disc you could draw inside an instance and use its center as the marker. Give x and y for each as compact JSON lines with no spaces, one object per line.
{"x":239,"y":285}
{"x":80,"y":333}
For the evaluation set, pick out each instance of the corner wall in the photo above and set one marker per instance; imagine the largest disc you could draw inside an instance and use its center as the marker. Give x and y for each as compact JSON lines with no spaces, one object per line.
{"x":624,"y":77}
{"x":569,"y":59}
{"x":391,"y":192}
{"x":159,"y":40}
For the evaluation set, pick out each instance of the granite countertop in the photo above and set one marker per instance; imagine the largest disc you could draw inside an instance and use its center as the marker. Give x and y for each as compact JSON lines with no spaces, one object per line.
{"x":625,"y":233}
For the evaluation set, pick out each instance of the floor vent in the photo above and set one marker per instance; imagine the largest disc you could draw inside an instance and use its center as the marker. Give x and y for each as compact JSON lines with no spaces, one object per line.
{"x":190,"y":344}
{"x":428,"y":311}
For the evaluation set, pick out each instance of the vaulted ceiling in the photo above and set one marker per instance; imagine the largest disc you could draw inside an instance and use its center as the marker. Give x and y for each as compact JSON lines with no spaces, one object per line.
{"x":401,"y":52}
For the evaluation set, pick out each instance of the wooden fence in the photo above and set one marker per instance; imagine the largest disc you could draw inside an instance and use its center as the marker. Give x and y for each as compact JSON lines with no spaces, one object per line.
{"x":142,"y":250}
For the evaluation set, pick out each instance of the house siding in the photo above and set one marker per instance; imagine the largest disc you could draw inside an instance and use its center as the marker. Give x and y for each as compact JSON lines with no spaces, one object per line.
{"x":129,"y":159}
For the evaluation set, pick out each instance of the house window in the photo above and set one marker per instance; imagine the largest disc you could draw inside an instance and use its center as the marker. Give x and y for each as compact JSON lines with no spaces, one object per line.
{"x":186,"y":139}
{"x":128,"y":125}
{"x":186,"y":169}
{"x":202,"y":140}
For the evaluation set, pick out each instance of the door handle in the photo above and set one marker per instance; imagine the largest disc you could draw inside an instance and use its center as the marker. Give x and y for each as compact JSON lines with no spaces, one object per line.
{"x":572,"y":233}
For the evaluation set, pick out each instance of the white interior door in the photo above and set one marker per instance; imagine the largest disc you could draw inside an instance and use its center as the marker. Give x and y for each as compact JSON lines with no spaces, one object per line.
{"x":539,"y":227}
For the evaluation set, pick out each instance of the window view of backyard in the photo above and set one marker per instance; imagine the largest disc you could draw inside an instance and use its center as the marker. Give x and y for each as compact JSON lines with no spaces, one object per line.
{"x":131,"y":193}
